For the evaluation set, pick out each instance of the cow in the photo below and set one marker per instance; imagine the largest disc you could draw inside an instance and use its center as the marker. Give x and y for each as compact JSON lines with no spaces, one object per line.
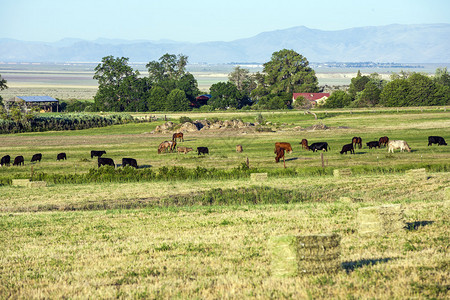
{"x":61,"y":156}
{"x":346,"y":148}
{"x":383,"y":140}
{"x":129,"y":162}
{"x":5,"y":161}
{"x":398,"y":144}
{"x":97,"y":153}
{"x":36,"y":157}
{"x":18,"y":160}
{"x":239,"y":148}
{"x":178,"y":135}
{"x":357,"y":141}
{"x":172,"y":146}
{"x":202,"y":150}
{"x":104,"y":161}
{"x":436,"y":140}
{"x":163,"y":147}
{"x":183,"y":150}
{"x":279,"y":154}
{"x":286,"y":146}
{"x":319,"y":146}
{"x":304,"y":144}
{"x":373,"y":144}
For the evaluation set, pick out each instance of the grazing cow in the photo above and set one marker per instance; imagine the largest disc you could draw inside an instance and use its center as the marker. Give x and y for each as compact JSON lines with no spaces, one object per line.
{"x":61,"y":156}
{"x":239,"y":148}
{"x":178,"y":135}
{"x":373,"y":144}
{"x":436,"y":140}
{"x":163,"y":147}
{"x":383,"y":140}
{"x":183,"y":150}
{"x":97,"y":153}
{"x":346,"y":148}
{"x":104,"y":161}
{"x":285,"y":146}
{"x":173,"y":144}
{"x":5,"y":161}
{"x":36,"y":157}
{"x":129,"y":162}
{"x":279,"y":154}
{"x":357,"y":141}
{"x":18,"y":161}
{"x":319,"y":146}
{"x":398,"y":144}
{"x":202,"y":150}
{"x":304,"y":144}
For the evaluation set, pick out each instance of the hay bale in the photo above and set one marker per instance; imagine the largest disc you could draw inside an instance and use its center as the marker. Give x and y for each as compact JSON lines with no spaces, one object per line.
{"x":305,"y":254}
{"x":381,"y":219}
{"x":417,"y":174}
{"x":37,"y":184}
{"x":20,"y":182}
{"x":258,"y":176}
{"x":345,"y":199}
{"x":342,"y":172}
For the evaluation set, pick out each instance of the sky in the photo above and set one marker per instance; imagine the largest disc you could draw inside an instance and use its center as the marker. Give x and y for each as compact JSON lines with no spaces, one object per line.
{"x":202,"y":20}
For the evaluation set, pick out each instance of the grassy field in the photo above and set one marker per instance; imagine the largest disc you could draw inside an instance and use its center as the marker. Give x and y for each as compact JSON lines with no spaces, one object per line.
{"x":168,"y":239}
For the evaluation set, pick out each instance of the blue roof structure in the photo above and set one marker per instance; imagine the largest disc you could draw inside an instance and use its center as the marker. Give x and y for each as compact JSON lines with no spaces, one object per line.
{"x":37,"y":98}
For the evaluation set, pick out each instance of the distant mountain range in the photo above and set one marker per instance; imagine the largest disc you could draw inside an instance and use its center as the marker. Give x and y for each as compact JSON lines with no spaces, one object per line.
{"x":428,"y":43}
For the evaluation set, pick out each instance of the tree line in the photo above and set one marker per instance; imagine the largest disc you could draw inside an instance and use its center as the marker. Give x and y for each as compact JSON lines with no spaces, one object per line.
{"x":404,"y":89}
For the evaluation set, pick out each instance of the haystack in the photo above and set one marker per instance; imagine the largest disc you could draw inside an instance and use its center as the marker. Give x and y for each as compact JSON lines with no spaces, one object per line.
{"x":305,"y":254}
{"x":20,"y":182}
{"x":381,"y":219}
{"x":342,"y":172}
{"x":417,"y":174}
{"x":258,"y":176}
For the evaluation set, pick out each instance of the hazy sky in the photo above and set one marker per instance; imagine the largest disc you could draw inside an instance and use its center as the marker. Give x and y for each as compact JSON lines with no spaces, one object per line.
{"x":202,"y":20}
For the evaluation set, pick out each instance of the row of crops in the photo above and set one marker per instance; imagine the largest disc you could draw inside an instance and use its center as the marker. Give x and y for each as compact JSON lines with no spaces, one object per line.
{"x":59,"y":122}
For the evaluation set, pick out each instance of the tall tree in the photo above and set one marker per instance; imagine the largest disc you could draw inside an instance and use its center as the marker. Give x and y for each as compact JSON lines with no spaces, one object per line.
{"x":289,"y":72}
{"x":169,"y":67}
{"x":177,"y":101}
{"x":358,"y":84}
{"x":3,"y":86}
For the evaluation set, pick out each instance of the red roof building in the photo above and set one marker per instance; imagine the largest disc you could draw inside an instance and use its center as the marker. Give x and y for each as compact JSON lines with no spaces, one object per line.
{"x":316,"y":98}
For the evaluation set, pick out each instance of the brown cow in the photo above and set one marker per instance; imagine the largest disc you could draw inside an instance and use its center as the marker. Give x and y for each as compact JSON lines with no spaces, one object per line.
{"x":285,"y":146}
{"x":383,"y":140}
{"x":239,"y":148}
{"x":357,"y":141}
{"x":279,"y":154}
{"x":304,"y":144}
{"x":178,"y":135}
{"x":163,"y":147}
{"x":183,"y":150}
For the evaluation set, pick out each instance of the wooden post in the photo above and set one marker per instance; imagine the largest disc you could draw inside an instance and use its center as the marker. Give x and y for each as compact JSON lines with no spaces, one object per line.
{"x":32,"y":173}
{"x":321,"y":157}
{"x":248,"y":163}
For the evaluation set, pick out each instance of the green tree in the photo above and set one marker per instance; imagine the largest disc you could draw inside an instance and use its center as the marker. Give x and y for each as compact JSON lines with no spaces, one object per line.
{"x":188,"y":84}
{"x":289,"y":72}
{"x":224,"y":95}
{"x":357,"y":84}
{"x":422,"y":90}
{"x":177,"y":101}
{"x":157,"y":99}
{"x":338,"y":99}
{"x":3,"y":86}
{"x":395,"y":93}
{"x":170,"y":67}
{"x":442,"y":76}
{"x":370,"y":96}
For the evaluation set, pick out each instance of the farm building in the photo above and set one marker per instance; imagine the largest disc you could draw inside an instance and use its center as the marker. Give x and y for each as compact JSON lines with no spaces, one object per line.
{"x":200,"y":100}
{"x":26,"y":103}
{"x":314,"y":98}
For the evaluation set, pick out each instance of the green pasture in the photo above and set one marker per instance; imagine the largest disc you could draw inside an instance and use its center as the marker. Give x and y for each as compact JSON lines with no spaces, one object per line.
{"x":207,"y":238}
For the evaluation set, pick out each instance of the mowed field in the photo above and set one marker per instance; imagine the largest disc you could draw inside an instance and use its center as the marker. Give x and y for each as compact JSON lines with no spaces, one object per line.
{"x":57,"y":241}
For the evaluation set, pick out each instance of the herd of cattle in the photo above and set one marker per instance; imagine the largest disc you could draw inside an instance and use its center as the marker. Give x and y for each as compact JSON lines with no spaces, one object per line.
{"x":280,"y":149}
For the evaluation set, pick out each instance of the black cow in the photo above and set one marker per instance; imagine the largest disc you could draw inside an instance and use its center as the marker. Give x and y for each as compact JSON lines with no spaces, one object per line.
{"x":36,"y":157}
{"x":18,"y":161}
{"x":346,"y":148}
{"x":129,"y":162}
{"x":436,"y":140}
{"x":202,"y":150}
{"x":373,"y":144}
{"x":5,"y":161}
{"x":97,"y":153}
{"x":319,"y":146}
{"x":61,"y":156}
{"x":104,"y":161}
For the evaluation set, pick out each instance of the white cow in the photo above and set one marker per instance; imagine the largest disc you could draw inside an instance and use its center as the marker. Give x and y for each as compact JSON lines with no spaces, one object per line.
{"x":398,"y":144}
